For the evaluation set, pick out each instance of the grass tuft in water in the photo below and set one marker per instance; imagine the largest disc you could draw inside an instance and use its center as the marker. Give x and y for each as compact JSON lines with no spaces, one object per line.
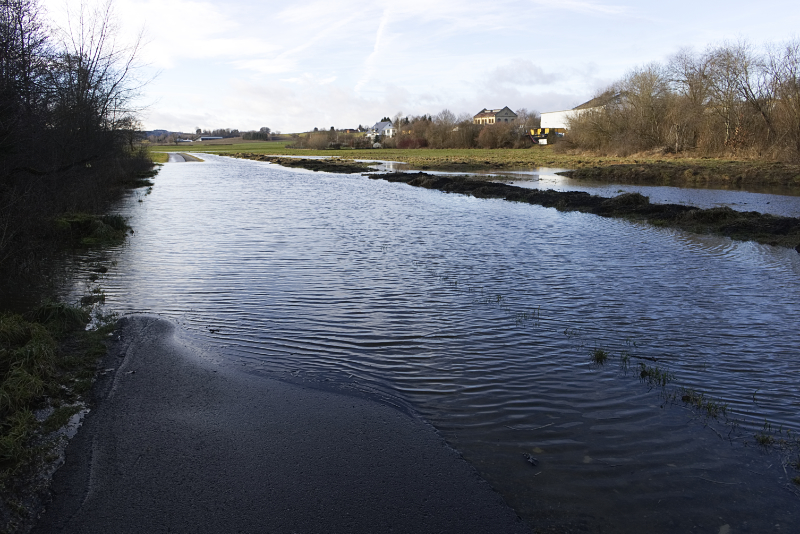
{"x":600,"y":356}
{"x":95,"y":296}
{"x":699,"y":401}
{"x":765,"y":440}
{"x":624,"y":360}
{"x":655,"y":375}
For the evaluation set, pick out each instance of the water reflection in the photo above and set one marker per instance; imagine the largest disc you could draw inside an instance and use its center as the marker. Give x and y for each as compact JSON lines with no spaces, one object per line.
{"x":415,"y":296}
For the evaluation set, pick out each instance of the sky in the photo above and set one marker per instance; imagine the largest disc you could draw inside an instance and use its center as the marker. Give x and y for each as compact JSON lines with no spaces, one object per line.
{"x":293,"y":66}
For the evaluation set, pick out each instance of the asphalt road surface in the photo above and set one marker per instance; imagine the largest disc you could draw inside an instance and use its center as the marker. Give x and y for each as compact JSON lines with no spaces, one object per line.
{"x":177,"y":443}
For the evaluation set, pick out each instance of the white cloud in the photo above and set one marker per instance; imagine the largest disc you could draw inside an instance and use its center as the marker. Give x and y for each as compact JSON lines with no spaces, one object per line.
{"x":307,"y":63}
{"x":369,"y":63}
{"x":265,"y":66}
{"x":591,"y":8}
{"x":523,"y":72}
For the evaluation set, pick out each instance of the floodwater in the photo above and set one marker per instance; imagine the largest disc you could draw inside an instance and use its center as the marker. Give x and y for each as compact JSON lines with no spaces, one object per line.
{"x":772,"y":199}
{"x":481,"y":316}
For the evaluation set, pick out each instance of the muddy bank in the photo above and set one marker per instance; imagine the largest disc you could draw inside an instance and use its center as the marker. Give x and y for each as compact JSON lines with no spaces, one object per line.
{"x":706,"y":173}
{"x":743,"y":226}
{"x":337,"y":165}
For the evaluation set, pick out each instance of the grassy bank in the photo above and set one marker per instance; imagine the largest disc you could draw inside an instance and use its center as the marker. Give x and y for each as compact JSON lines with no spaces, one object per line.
{"x":47,"y":365}
{"x":650,"y":169}
{"x":701,"y":173}
{"x":159,"y":157}
{"x":743,"y":226}
{"x":47,"y":357}
{"x":34,"y":208}
{"x":444,"y":159}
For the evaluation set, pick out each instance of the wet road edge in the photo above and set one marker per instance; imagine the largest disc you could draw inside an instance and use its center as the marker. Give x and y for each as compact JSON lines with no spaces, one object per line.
{"x":178,"y":443}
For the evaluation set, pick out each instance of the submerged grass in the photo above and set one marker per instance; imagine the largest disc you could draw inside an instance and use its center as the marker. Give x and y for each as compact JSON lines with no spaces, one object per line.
{"x":653,"y":375}
{"x":710,"y":407}
{"x":650,"y":370}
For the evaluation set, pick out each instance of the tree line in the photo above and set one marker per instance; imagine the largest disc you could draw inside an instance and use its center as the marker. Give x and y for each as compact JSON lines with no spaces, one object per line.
{"x":68,"y":129}
{"x":443,"y":130}
{"x":732,"y":99}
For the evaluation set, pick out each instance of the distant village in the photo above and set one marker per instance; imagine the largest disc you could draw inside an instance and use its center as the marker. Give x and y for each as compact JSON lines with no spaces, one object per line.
{"x":489,"y":128}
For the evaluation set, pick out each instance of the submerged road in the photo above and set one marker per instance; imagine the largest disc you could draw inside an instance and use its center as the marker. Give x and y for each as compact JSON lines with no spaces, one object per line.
{"x":182,"y":158}
{"x":176,"y":443}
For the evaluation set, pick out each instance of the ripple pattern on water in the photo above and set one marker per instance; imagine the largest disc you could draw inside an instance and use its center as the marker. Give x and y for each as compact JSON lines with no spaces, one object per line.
{"x":480,"y":315}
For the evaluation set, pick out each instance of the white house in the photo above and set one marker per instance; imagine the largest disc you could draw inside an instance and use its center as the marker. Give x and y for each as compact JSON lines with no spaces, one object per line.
{"x":384,"y":128}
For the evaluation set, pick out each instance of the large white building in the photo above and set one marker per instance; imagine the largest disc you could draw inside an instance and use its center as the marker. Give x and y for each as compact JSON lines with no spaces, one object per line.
{"x":560,"y":119}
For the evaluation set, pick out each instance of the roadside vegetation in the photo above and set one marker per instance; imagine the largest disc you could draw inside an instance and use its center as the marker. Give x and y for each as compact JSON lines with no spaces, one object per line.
{"x":48,"y":362}
{"x":67,"y":130}
{"x":68,"y":149}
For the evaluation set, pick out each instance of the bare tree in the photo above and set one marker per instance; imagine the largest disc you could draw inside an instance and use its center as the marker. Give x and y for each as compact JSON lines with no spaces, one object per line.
{"x":63,"y":103}
{"x":729,"y":99}
{"x":757,"y":83}
{"x":785,"y":66}
{"x":94,"y":79}
{"x":690,"y":76}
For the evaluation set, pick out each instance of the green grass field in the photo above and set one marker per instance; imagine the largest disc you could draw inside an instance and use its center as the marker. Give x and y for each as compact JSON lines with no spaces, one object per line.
{"x":453,"y":159}
{"x":159,"y":157}
{"x":659,"y":169}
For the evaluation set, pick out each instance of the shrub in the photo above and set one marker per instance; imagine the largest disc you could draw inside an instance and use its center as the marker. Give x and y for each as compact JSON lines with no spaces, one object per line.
{"x":412,"y":142}
{"x":500,"y":135}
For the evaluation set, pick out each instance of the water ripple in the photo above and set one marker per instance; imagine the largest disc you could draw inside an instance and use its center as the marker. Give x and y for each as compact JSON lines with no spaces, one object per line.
{"x":481,"y":315}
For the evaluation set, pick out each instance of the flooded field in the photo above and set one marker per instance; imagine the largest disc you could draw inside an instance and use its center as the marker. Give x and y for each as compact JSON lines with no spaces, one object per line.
{"x":486,"y":317}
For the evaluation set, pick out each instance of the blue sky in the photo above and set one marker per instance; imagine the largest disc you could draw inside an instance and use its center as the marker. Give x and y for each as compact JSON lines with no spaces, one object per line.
{"x":296,"y":65}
